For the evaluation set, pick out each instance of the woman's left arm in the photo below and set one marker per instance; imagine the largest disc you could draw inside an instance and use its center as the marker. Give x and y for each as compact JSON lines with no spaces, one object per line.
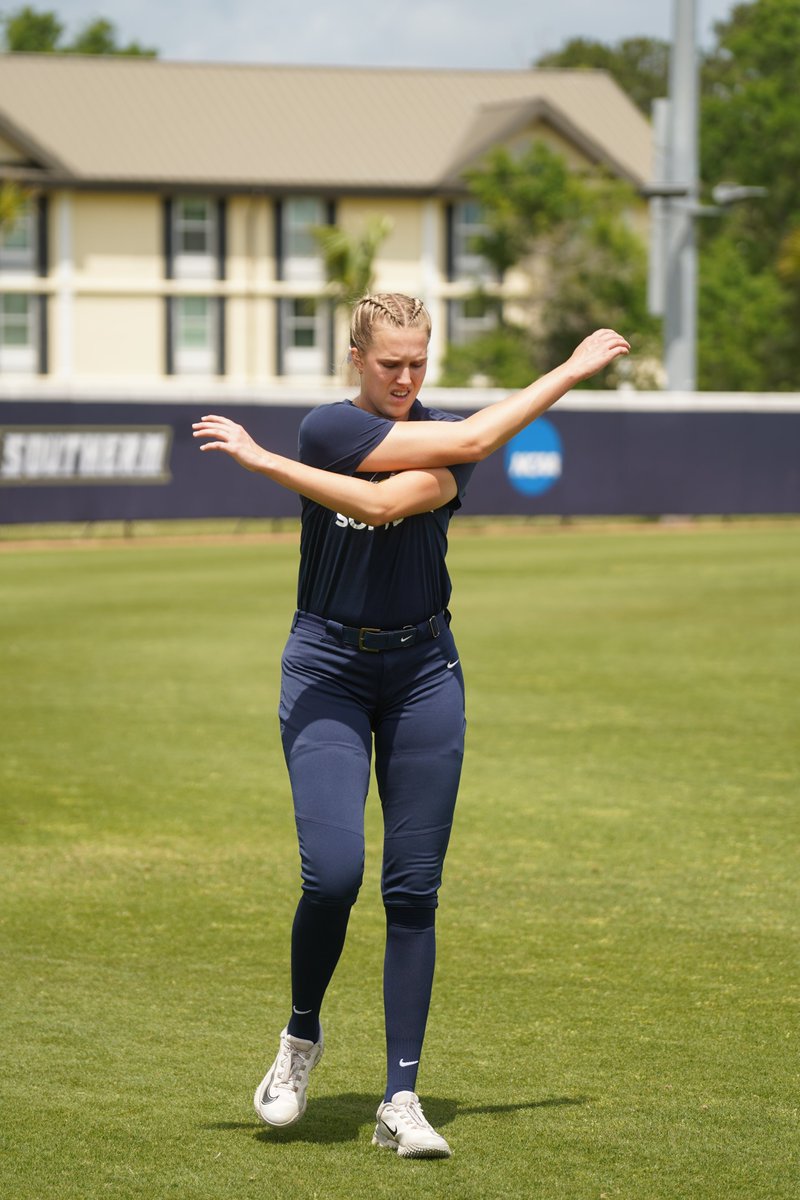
{"x":402,"y":495}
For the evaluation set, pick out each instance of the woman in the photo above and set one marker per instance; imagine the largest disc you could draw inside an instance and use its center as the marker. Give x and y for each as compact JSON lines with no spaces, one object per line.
{"x":371,"y":658}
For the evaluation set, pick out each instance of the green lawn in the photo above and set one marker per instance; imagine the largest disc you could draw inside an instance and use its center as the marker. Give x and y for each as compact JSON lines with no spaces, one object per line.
{"x":615,"y":1011}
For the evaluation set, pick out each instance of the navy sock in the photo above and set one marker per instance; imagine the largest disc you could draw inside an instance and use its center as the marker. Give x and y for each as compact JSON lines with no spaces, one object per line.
{"x":318,"y":935}
{"x":407,"y":983}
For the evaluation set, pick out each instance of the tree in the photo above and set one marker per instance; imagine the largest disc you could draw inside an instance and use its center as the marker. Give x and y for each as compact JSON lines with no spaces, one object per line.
{"x":100,"y":37}
{"x":12,"y":201}
{"x":578,"y":266}
{"x":640,"y":65}
{"x":749,"y":296}
{"x":30,"y":31}
{"x":349,"y":259}
{"x":750,"y":121}
{"x":750,"y":132}
{"x":747,"y":337}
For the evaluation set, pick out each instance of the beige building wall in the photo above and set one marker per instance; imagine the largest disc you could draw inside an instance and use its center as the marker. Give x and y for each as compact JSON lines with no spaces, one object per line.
{"x":412,"y":257}
{"x":117,"y":237}
{"x":118,"y":337}
{"x":250,"y":269}
{"x":251,"y":241}
{"x":399,"y":259}
{"x":106,"y":313}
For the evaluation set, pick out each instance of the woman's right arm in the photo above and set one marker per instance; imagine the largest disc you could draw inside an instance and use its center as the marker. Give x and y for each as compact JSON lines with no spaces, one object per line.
{"x":379,"y":503}
{"x":441,"y":443}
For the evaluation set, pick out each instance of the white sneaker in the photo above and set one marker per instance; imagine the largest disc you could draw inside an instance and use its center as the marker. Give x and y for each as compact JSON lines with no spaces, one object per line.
{"x":280,"y":1098}
{"x":402,"y":1127}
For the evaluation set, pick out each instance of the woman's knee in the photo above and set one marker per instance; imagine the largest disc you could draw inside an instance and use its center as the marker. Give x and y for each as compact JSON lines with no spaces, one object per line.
{"x":332,"y":863}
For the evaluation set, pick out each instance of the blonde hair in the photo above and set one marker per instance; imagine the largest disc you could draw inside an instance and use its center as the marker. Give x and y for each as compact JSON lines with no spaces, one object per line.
{"x":386,"y":308}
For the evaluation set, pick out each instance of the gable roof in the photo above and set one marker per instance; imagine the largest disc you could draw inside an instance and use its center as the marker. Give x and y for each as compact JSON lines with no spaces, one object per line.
{"x":145,"y":122}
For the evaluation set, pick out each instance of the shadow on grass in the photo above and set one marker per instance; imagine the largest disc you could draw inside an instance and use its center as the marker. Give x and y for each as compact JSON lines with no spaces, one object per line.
{"x":342,"y":1118}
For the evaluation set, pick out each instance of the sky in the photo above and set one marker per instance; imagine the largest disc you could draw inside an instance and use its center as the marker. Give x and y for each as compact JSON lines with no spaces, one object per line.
{"x":412,"y":33}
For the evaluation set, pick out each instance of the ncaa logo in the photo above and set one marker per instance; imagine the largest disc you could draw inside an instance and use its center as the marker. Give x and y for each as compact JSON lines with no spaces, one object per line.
{"x":534,"y":458}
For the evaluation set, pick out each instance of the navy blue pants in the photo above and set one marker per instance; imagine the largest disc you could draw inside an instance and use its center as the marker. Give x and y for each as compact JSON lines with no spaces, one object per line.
{"x":334,"y":701}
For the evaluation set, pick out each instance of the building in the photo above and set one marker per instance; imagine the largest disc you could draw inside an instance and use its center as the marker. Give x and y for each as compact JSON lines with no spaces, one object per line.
{"x":170,"y":230}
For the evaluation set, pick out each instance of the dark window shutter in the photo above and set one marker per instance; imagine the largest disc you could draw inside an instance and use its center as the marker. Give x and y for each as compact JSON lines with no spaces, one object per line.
{"x":221,"y":341}
{"x":44,"y":355}
{"x":449,"y":247}
{"x":42,"y":239}
{"x":278,"y":337}
{"x":169,"y":252}
{"x":169,"y":355}
{"x":331,"y":321}
{"x":222,"y":236}
{"x":277,"y":216}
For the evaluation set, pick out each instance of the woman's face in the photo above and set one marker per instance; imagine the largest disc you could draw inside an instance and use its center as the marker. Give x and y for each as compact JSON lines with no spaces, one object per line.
{"x":392,"y":370}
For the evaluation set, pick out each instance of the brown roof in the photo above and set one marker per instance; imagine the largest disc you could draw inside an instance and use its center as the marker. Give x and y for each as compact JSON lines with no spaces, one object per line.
{"x":144,"y":122}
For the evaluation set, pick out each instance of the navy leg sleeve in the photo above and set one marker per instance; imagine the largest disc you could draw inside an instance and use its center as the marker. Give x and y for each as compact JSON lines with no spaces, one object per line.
{"x":407,"y":983}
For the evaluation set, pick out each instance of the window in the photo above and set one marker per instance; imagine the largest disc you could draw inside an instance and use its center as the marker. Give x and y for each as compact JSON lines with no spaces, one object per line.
{"x":195,"y":238}
{"x":468,"y":226}
{"x":18,"y":241}
{"x":305,"y":332}
{"x":19,"y":340}
{"x":302,"y":260}
{"x":196,"y":335}
{"x":471,"y":317}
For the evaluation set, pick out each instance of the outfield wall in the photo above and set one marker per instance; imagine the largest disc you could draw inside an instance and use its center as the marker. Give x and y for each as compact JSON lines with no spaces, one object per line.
{"x":95,"y":457}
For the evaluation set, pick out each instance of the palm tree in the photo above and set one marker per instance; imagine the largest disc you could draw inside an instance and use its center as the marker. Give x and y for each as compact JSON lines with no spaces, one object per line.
{"x":350,"y":258}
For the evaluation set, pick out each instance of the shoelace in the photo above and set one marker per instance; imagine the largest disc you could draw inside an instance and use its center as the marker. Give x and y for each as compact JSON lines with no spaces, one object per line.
{"x":291,"y":1068}
{"x":413,"y":1112}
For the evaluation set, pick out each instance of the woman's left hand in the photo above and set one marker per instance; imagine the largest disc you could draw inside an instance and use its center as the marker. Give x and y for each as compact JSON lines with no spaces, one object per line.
{"x":597,"y":351}
{"x":231,"y":438}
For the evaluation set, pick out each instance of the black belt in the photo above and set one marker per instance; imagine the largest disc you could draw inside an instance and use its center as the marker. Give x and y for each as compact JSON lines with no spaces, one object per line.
{"x":375,"y":640}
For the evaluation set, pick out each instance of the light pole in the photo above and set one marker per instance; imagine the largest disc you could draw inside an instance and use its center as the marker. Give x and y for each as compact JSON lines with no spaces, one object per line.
{"x":680,"y":311}
{"x":675,"y":204}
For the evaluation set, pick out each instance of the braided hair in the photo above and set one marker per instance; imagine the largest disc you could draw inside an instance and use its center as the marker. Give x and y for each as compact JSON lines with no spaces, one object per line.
{"x":386,"y":308}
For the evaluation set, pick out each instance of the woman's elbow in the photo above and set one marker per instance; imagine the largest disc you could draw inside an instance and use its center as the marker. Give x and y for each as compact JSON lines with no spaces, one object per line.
{"x":473,"y":448}
{"x":376,"y":512}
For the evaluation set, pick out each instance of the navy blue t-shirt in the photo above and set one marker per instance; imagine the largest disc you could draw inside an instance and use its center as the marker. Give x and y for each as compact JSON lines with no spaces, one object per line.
{"x":384,"y":577}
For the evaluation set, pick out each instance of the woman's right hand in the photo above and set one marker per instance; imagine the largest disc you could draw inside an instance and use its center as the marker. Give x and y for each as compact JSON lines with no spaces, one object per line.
{"x":597,"y":351}
{"x":231,"y":438}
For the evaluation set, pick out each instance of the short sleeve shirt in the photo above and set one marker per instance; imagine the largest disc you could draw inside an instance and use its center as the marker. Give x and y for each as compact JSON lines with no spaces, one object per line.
{"x":382,"y":576}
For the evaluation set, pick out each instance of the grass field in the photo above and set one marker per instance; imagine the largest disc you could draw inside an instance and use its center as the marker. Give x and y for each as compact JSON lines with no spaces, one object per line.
{"x":615,"y":1010}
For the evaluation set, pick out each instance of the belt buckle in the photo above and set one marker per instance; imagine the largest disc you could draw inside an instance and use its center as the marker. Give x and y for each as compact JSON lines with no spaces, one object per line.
{"x":368,"y":649}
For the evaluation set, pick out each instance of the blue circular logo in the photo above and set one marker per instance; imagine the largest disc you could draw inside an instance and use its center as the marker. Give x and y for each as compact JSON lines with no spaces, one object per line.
{"x":534,"y":458}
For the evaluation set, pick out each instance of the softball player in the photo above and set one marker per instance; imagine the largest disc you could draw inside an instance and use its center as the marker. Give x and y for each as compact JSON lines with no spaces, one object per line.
{"x":371,"y":662}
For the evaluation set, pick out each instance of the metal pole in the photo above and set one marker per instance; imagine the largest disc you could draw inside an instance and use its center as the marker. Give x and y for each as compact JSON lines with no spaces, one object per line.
{"x":656,"y":283}
{"x":680,"y":317}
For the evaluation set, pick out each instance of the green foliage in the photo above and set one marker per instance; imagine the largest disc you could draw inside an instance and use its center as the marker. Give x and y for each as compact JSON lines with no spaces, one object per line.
{"x":505,"y":357}
{"x":350,"y":259}
{"x":524,"y":197}
{"x":585,"y":266}
{"x":750,"y":133}
{"x":749,"y":303}
{"x":746,"y":335}
{"x":751,"y":118}
{"x":597,"y":278}
{"x":28,"y":30}
{"x":100,"y":37}
{"x":639,"y":65}
{"x":12,"y":200}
